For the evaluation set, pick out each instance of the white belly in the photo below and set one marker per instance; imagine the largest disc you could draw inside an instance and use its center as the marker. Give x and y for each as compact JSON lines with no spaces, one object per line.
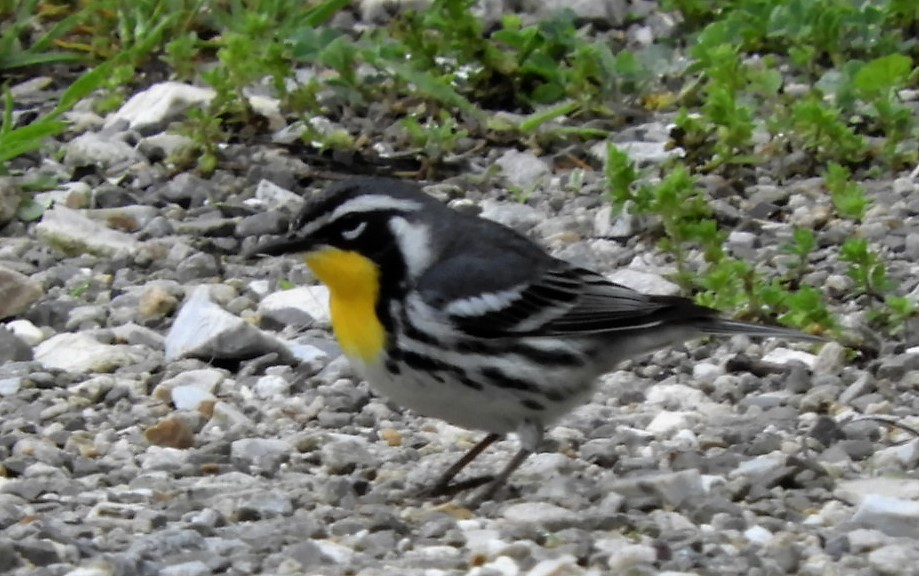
{"x":491,"y":409}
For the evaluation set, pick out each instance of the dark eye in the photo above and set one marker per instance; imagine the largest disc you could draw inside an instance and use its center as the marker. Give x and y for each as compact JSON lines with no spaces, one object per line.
{"x":351,"y":230}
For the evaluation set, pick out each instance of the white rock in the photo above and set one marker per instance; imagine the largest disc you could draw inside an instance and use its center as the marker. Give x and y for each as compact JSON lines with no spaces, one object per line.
{"x":667,"y":423}
{"x":17,"y":293}
{"x":787,"y":355}
{"x":26,"y":331}
{"x":227,"y":416}
{"x":645,"y":282}
{"x":863,"y":539}
{"x":672,"y":488}
{"x":203,"y":329}
{"x":270,"y":386}
{"x":205,"y":378}
{"x":564,"y":564}
{"x":91,"y":571}
{"x":893,"y":516}
{"x":676,"y":396}
{"x":903,"y":456}
{"x":163,"y":458}
{"x":10,"y":386}
{"x":758,"y":535}
{"x":896,"y":559}
{"x":158,"y":104}
{"x":190,"y":397}
{"x":643,"y":154}
{"x":706,"y":372}
{"x":81,"y":353}
{"x":98,"y":149}
{"x":74,"y":233}
{"x":333,"y":552}
{"x":483,"y":541}
{"x":543,"y":514}
{"x":302,"y":305}
{"x":759,"y":466}
{"x":273,"y":197}
{"x":855,"y":491}
{"x":520,"y":217}
{"x":191,"y":568}
{"x":502,"y":565}
{"x":262,"y":453}
{"x":523,"y":169}
{"x":831,"y":359}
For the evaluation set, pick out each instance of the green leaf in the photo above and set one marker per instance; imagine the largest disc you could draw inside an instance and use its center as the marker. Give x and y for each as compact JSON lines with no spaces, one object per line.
{"x":325,"y":11}
{"x":431,"y":86}
{"x":883,"y":74}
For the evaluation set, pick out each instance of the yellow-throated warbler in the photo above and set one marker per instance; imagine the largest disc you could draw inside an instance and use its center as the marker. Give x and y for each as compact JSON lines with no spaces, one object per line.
{"x":463,"y":319}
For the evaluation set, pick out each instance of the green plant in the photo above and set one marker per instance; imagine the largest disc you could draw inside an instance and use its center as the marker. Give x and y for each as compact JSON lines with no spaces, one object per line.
{"x":802,"y":245}
{"x":23,"y":17}
{"x":436,"y":138}
{"x":865,"y":267}
{"x":18,"y":140}
{"x":848,"y":197}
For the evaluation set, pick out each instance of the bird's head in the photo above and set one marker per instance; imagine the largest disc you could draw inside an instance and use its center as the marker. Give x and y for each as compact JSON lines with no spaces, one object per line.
{"x":361,"y":228}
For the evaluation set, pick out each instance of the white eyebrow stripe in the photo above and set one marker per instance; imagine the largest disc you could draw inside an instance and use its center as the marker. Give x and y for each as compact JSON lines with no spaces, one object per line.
{"x":373,"y":202}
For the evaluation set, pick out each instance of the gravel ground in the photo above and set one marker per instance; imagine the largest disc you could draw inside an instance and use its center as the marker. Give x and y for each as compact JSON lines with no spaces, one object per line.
{"x":165,"y":408}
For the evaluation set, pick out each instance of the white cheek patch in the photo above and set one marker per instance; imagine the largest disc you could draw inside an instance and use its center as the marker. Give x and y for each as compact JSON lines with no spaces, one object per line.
{"x":354,"y":232}
{"x":415,"y":243}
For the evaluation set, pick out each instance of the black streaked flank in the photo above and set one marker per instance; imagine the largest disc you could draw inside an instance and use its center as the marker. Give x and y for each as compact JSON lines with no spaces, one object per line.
{"x":498,"y":378}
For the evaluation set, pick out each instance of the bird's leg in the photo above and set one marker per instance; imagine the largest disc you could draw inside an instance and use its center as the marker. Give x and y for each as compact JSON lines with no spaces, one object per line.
{"x":531,"y":435}
{"x":442,"y":486}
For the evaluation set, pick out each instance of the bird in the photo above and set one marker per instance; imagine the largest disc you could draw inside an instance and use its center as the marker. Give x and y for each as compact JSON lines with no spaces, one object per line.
{"x":461,"y":318}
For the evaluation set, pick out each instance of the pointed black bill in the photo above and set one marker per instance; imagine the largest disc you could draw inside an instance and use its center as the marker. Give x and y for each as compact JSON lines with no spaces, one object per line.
{"x":279,"y":246}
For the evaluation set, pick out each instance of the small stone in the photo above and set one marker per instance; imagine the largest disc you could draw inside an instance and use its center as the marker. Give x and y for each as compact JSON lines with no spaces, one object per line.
{"x":261,"y":454}
{"x":171,"y":432}
{"x":895,"y":559}
{"x":203,"y":329}
{"x":893,"y":516}
{"x":266,"y":505}
{"x":548,"y":516}
{"x":667,"y":423}
{"x":26,"y":331}
{"x":758,"y":535}
{"x":190,"y":397}
{"x":17,"y":292}
{"x":274,"y":197}
{"x":302,"y":306}
{"x":644,"y":282}
{"x":77,"y":352}
{"x":156,"y":302}
{"x":270,"y":386}
{"x":706,"y":372}
{"x":163,"y":458}
{"x":520,"y":217}
{"x":784,"y":356}
{"x":523,"y":169}
{"x":150,"y":110}
{"x":344,"y":456}
{"x":671,"y":488}
{"x":10,"y":386}
{"x":73,"y":233}
{"x":904,"y":456}
{"x":100,"y":150}
{"x":831,"y":359}
{"x":760,"y":466}
{"x":193,"y":568}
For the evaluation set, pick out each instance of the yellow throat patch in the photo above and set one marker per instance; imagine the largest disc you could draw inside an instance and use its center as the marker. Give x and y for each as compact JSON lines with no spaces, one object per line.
{"x":354,"y":287}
